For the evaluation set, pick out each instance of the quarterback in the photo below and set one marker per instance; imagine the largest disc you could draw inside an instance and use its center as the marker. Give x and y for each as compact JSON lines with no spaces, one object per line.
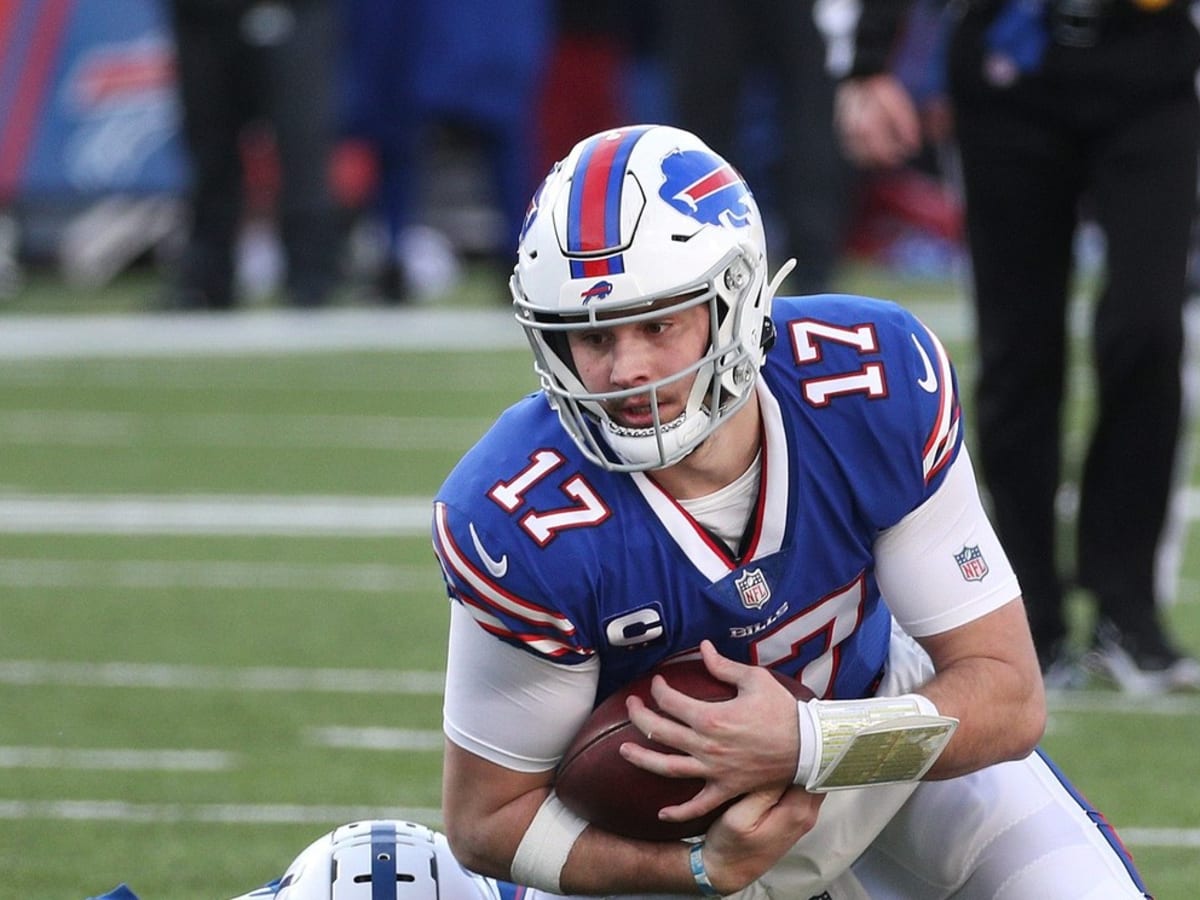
{"x":770,"y":482}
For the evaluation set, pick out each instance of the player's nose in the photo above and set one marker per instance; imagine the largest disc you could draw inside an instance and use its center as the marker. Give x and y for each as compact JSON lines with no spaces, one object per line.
{"x":632,"y":361}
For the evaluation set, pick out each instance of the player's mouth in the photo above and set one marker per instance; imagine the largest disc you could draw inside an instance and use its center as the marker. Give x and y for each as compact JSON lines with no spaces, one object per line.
{"x":634,"y":415}
{"x":638,"y":412}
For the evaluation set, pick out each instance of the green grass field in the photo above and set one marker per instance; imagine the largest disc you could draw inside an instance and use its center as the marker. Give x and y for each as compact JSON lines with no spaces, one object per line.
{"x":221,"y":624}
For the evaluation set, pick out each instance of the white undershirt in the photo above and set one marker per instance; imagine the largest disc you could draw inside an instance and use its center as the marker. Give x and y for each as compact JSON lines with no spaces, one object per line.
{"x":726,"y":512}
{"x":520,"y":710}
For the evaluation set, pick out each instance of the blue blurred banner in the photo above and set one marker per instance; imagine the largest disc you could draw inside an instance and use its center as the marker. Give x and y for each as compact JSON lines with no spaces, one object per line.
{"x":87,"y":100}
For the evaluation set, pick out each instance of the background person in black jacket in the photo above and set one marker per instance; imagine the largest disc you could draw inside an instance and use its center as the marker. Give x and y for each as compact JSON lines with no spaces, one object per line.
{"x":1061,"y":109}
{"x":724,"y":58}
{"x":242,"y":61}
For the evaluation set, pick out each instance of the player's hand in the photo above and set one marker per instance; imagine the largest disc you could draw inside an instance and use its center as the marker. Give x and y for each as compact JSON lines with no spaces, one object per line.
{"x":877,"y":122}
{"x":754,"y":834}
{"x":736,"y":746}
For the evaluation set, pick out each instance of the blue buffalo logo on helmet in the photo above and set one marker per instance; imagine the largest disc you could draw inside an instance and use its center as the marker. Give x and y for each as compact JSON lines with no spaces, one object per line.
{"x":706,"y":188}
{"x":597,"y":291}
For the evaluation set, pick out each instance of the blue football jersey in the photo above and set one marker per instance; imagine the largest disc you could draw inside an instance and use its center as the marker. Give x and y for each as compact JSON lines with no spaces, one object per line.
{"x":554,"y":554}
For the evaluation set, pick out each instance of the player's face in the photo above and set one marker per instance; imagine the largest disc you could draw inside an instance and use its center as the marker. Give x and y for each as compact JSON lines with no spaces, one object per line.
{"x":640,"y":353}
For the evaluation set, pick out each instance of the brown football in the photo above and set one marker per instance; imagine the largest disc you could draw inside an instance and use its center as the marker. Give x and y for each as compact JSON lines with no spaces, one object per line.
{"x":596,"y":782}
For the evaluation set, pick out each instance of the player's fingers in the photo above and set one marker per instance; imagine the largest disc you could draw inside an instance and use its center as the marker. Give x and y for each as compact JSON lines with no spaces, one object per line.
{"x":669,"y":765}
{"x":708,"y":799}
{"x":660,"y":763}
{"x":793,"y":810}
{"x":749,"y":680}
{"x":722,"y":667}
{"x":744,"y":815}
{"x":655,"y":726}
{"x":684,"y":711}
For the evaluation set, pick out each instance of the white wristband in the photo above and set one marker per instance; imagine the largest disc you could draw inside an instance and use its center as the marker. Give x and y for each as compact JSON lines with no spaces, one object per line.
{"x":545,"y":846}
{"x":810,"y":744}
{"x":877,"y":740}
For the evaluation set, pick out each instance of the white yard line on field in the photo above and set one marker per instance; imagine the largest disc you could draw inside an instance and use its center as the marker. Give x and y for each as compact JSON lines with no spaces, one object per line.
{"x":1110,"y":702}
{"x":156,"y":574}
{"x":256,"y":331}
{"x":190,"y":760}
{"x":215,"y":514}
{"x":379,"y":738}
{"x":224,"y":813}
{"x":220,"y":678}
{"x":74,"y":428}
{"x":1160,"y":837}
{"x":116,"y":759}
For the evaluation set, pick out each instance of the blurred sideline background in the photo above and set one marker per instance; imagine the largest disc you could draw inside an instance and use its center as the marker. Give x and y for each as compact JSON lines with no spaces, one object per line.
{"x":221,"y":625}
{"x":94,"y":171}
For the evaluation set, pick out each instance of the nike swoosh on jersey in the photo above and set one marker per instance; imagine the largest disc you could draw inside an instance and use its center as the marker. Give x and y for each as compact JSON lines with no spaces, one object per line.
{"x":929,"y":383}
{"x":498,"y":567}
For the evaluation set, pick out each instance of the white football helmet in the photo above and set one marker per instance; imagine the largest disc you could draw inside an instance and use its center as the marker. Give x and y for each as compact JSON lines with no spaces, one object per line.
{"x":631,"y":218}
{"x":381,"y":859}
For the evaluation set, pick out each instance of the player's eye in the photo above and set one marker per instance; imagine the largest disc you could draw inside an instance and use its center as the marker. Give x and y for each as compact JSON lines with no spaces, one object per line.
{"x":590,"y":339}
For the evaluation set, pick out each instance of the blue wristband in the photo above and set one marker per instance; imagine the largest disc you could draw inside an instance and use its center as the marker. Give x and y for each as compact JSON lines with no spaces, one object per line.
{"x":696,"y":858}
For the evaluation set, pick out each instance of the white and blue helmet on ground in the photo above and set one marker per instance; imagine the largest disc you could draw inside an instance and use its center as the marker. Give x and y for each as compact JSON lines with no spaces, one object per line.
{"x":381,"y":859}
{"x":635,"y":219}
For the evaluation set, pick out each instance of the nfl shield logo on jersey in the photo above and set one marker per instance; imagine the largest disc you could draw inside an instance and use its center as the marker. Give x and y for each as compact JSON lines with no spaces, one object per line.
{"x":971,"y":563}
{"x":752,"y":587}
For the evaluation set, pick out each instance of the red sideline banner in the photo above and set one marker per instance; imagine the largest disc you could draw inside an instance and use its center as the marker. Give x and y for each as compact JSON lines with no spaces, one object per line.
{"x":87,"y":100}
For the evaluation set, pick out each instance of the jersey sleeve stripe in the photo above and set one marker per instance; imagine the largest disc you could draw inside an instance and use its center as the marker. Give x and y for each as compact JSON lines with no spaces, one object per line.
{"x":939,"y":447}
{"x":546,"y":646}
{"x":484,"y":588}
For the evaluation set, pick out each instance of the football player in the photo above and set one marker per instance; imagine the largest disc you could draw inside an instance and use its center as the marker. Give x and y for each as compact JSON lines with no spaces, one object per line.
{"x":771,"y":482}
{"x":377,"y":859}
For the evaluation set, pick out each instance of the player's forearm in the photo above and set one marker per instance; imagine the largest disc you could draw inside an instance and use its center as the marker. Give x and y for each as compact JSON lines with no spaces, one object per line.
{"x":995,"y":726}
{"x":997,"y":695}
{"x":744,"y":843}
{"x":598,"y":863}
{"x":603,"y":863}
{"x":483,"y":840}
{"x":506,"y":825}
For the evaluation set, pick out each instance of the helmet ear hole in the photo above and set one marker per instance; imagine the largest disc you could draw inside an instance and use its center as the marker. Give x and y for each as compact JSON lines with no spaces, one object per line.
{"x":768,"y":334}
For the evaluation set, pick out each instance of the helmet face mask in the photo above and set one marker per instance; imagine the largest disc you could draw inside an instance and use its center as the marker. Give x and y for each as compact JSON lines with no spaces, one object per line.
{"x":634,"y":224}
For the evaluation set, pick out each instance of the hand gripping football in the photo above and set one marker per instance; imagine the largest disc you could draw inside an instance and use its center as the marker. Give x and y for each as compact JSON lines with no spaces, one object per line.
{"x":594,"y":781}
